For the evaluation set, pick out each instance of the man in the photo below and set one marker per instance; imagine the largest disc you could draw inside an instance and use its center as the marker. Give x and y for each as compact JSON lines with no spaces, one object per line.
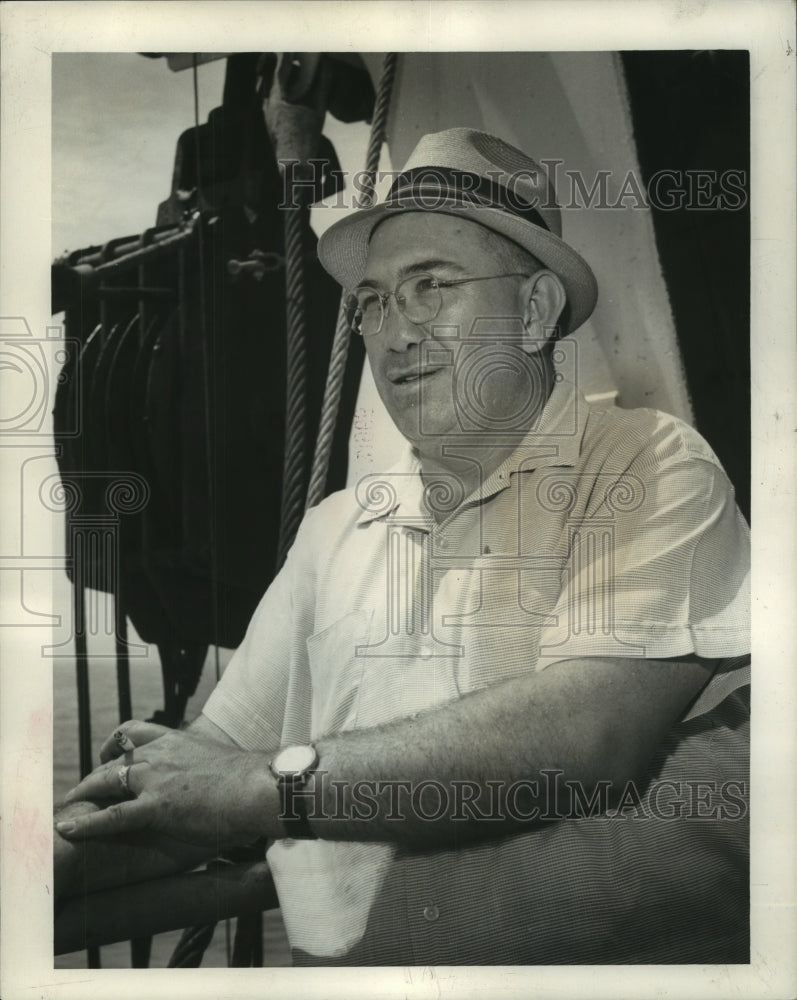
{"x":512,"y":671}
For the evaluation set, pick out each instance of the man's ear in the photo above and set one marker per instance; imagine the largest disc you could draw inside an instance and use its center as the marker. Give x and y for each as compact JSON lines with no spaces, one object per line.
{"x":544,"y":299}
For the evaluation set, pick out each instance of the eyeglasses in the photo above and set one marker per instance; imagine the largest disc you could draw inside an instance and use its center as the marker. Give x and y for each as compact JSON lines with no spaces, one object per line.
{"x":418,"y":297}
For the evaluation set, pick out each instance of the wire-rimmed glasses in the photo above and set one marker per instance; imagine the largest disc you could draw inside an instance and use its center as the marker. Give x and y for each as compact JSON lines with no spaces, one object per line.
{"x":419,"y":297}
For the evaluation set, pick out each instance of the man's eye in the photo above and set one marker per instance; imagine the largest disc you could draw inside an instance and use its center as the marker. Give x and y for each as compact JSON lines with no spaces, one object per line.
{"x":426,"y":283}
{"x":367,"y":301}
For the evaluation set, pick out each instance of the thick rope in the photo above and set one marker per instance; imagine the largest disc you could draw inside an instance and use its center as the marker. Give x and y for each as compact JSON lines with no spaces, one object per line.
{"x":379,"y":125}
{"x":340,"y":344}
{"x":296,"y":375}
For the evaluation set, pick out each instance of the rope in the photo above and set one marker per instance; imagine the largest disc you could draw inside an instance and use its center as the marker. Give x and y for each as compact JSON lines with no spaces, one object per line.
{"x":340,"y":344}
{"x":192,"y":946}
{"x":295,"y":403}
{"x":379,"y":126}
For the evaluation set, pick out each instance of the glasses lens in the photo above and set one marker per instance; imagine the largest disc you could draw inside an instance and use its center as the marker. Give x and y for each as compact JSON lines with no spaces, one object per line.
{"x":419,"y":297}
{"x":353,"y":314}
{"x":365,"y":309}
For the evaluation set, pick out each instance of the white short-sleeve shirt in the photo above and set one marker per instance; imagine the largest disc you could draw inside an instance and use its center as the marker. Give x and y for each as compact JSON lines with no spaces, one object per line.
{"x":605,"y":533}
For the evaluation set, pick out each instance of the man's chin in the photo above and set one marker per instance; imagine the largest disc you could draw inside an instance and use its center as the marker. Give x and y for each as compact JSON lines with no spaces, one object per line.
{"x":432,"y":441}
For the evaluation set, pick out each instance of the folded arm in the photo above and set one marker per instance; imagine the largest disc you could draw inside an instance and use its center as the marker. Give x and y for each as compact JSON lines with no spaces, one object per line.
{"x":594,"y":720}
{"x":587,"y":720}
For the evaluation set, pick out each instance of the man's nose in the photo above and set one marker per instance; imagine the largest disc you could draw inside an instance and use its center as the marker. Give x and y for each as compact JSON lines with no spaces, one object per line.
{"x":398,"y":333}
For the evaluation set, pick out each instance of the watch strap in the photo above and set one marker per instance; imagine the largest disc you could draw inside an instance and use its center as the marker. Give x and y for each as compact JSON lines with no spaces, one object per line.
{"x":294,"y":803}
{"x":292,"y":767}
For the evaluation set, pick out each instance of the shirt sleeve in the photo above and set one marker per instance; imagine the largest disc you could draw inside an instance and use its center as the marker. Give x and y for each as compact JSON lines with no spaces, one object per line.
{"x":658,"y":569}
{"x":268,"y":672}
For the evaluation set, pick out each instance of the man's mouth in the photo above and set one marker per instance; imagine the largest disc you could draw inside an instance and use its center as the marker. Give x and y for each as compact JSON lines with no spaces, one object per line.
{"x":411,"y":376}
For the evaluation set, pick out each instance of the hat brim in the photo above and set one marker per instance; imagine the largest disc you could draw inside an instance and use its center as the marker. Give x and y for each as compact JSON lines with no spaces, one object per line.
{"x":343,"y":249}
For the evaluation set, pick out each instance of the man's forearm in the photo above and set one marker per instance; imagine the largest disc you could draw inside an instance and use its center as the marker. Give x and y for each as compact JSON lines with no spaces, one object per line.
{"x":486,"y":765}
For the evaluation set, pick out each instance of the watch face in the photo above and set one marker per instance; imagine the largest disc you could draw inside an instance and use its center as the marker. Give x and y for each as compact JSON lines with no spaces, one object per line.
{"x":294,"y":760}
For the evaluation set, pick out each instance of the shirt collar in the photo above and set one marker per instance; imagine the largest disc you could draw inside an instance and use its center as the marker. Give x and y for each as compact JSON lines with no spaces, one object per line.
{"x":398,"y":494}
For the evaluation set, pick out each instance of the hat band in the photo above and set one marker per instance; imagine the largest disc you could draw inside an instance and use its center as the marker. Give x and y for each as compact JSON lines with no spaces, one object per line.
{"x":431,"y":188}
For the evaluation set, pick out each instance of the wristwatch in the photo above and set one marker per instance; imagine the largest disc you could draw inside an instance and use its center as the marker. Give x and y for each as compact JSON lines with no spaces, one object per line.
{"x":292,"y":766}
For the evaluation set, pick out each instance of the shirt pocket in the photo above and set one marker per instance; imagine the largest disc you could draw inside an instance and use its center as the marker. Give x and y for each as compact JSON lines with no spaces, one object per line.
{"x":500,"y":615}
{"x":336,"y":673}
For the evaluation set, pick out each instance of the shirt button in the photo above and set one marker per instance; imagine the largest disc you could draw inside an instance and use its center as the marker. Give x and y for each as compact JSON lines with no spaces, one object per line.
{"x":443,"y":543}
{"x":430,"y":913}
{"x":426,"y":651}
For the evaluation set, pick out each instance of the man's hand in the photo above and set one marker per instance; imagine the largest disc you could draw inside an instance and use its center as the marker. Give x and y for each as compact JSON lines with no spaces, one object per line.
{"x":179,"y":784}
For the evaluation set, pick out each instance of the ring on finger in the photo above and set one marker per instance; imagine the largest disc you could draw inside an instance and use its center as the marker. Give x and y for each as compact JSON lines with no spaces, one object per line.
{"x":123,"y":774}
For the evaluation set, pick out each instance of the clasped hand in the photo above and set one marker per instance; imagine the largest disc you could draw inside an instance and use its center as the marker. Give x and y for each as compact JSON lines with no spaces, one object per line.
{"x":173,"y":783}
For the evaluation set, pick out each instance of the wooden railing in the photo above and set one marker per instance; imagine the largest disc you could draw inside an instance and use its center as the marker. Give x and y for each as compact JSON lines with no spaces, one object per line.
{"x":215,"y":893}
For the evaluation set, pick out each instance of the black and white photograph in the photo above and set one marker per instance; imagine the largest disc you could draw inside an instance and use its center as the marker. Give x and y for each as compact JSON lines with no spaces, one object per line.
{"x":398,"y":472}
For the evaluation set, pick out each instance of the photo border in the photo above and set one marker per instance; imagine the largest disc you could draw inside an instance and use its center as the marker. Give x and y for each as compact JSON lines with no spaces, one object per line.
{"x":31,"y":32}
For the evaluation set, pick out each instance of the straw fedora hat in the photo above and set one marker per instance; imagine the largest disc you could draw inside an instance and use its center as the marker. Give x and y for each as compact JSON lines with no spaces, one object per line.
{"x":465,"y":172}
